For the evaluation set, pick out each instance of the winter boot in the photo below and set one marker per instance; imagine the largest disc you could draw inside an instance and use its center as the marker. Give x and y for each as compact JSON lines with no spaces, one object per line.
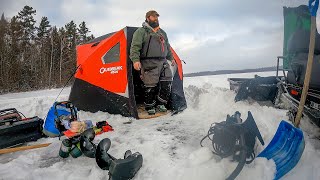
{"x":149,"y":101}
{"x":151,"y":111}
{"x":164,"y":92}
{"x":161,"y":108}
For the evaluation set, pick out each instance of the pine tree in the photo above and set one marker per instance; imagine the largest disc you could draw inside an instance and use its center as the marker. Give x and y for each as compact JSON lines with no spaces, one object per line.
{"x":44,"y":48}
{"x":3,"y":50}
{"x":44,"y":28}
{"x":69,"y":56}
{"x":56,"y":56}
{"x":29,"y":53}
{"x":25,"y":16}
{"x":13,"y":65}
{"x":71,"y":34}
{"x":83,"y":33}
{"x":91,"y":37}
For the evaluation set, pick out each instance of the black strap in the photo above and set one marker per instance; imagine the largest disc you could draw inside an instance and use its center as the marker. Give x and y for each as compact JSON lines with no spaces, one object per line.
{"x":159,"y":58}
{"x":148,"y":45}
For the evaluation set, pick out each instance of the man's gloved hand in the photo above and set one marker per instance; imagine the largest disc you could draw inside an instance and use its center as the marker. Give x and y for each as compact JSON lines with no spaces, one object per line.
{"x":137,"y":65}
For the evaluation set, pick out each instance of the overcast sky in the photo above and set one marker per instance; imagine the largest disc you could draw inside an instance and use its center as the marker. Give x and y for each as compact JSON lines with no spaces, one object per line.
{"x":208,"y":34}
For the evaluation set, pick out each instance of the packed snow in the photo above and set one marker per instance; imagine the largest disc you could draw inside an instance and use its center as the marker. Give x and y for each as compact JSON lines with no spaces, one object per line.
{"x":169,"y":144}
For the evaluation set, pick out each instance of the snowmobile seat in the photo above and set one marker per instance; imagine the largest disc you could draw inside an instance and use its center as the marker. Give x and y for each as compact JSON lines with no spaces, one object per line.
{"x":299,"y":67}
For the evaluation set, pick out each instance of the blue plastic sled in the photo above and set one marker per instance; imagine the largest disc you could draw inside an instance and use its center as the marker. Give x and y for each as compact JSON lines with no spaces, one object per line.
{"x":285,"y":148}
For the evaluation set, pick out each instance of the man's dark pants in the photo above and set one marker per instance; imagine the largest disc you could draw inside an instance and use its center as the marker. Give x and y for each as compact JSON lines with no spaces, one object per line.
{"x":156,"y":71}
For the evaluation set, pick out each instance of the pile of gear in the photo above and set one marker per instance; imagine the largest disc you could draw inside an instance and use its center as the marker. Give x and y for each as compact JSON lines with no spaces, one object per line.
{"x":62,"y":119}
{"x":119,"y":169}
{"x":235,"y":138}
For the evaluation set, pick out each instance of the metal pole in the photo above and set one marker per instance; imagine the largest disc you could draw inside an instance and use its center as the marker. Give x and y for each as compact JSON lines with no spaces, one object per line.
{"x":277,"y":67}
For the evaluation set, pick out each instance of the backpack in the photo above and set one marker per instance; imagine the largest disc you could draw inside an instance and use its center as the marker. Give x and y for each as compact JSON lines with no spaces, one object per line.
{"x":59,"y":117}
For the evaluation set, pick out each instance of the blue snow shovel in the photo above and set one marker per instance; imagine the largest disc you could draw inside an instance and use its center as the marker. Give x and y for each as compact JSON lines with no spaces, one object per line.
{"x":285,"y":149}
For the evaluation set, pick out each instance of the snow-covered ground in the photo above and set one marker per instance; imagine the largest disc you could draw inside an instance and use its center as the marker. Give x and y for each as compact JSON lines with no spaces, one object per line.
{"x":169,"y":144}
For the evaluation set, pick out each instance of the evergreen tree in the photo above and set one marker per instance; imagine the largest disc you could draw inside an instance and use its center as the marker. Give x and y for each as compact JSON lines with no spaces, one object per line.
{"x":69,"y":56}
{"x":3,"y":50}
{"x":71,"y":34}
{"x":3,"y":28}
{"x":44,"y":28}
{"x":29,"y":50}
{"x":91,"y":37}
{"x":83,"y":33}
{"x":56,"y":50}
{"x":44,"y":49}
{"x":13,"y":67}
{"x":25,"y":16}
{"x":37,"y":57}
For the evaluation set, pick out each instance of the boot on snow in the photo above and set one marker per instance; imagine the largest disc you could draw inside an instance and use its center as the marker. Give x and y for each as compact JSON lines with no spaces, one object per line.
{"x":151,"y":111}
{"x":162,"y":108}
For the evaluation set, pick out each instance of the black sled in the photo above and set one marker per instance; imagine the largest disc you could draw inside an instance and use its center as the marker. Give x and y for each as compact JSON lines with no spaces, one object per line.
{"x":15,"y":130}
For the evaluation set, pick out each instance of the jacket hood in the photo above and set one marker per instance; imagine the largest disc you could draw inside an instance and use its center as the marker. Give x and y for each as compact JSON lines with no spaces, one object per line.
{"x":146,"y":25}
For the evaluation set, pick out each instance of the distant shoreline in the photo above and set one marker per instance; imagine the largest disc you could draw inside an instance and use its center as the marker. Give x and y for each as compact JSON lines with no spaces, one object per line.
{"x":206,"y":73}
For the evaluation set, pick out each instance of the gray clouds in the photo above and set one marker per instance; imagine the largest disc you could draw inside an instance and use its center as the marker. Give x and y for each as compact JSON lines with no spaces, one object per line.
{"x":207,"y":34}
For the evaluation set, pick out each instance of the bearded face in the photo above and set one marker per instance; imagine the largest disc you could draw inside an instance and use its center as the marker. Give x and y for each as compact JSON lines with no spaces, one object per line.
{"x":153,"y":21}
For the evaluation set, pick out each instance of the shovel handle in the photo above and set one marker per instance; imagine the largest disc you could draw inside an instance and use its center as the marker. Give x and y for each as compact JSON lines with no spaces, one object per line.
{"x":22,"y":148}
{"x":313,"y":8}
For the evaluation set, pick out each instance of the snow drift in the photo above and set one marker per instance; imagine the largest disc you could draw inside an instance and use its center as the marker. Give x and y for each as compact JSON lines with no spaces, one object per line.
{"x":169,"y":144}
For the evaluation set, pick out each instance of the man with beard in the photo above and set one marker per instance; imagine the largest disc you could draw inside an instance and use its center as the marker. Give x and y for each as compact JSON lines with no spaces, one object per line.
{"x":150,"y":51}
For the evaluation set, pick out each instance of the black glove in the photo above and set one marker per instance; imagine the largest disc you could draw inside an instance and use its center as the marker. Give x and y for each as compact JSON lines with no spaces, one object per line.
{"x":87,"y":147}
{"x":100,"y":124}
{"x":102,"y":157}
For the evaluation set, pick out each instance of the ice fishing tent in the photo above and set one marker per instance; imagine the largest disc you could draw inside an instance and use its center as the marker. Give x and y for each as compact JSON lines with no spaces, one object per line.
{"x":106,"y":80}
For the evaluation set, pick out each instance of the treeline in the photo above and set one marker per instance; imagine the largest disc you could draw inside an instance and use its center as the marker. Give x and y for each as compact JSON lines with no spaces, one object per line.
{"x":209,"y":73}
{"x":37,"y":55}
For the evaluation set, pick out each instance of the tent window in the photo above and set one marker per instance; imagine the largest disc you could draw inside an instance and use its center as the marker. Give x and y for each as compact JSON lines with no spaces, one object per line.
{"x":113,"y":55}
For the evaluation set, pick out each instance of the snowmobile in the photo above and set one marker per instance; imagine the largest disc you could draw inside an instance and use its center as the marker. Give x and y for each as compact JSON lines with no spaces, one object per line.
{"x":290,"y":90}
{"x":285,"y":90}
{"x":295,"y":57}
{"x":16,"y":129}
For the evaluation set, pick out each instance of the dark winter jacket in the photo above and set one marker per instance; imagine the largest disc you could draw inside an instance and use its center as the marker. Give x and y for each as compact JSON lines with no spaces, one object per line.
{"x":147,"y":44}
